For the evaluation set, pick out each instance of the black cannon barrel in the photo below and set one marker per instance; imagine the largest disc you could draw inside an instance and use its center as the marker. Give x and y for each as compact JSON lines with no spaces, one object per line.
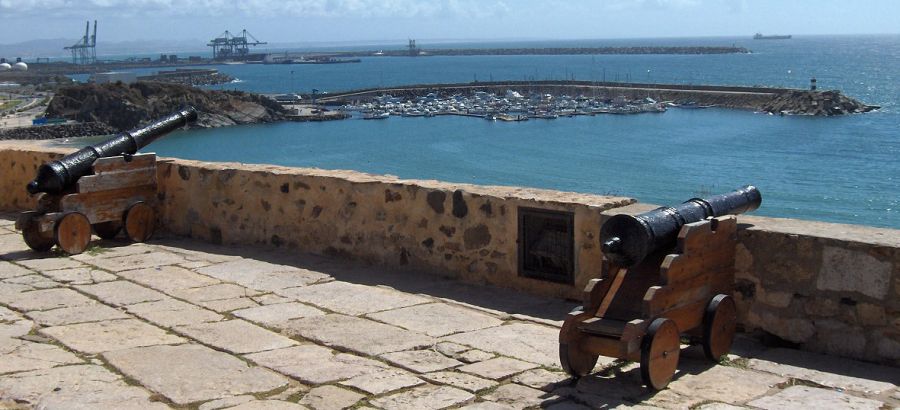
{"x":627,"y":239}
{"x":55,"y":176}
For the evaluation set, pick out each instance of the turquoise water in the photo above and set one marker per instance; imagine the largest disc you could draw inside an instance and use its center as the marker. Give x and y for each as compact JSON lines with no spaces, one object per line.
{"x":831,"y":169}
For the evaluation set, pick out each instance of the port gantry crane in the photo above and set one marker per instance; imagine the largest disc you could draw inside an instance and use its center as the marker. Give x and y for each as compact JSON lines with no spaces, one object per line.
{"x":229,"y":46}
{"x":84,"y":51}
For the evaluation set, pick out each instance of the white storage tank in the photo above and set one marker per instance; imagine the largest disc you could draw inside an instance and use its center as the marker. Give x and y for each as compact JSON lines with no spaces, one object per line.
{"x":20,"y":66}
{"x":5,"y":67}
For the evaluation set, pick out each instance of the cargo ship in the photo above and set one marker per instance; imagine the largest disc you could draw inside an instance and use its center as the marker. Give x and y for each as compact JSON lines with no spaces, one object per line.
{"x":760,"y":36}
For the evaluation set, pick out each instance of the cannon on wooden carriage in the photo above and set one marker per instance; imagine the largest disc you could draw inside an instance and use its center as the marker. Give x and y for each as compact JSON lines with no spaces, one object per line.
{"x":665,"y":273}
{"x":105,"y":187}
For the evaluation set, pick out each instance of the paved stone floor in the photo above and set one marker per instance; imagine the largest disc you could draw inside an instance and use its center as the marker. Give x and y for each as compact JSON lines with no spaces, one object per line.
{"x":180,"y":323}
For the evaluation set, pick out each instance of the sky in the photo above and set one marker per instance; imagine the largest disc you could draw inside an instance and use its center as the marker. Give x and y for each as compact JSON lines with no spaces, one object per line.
{"x":336,"y":21}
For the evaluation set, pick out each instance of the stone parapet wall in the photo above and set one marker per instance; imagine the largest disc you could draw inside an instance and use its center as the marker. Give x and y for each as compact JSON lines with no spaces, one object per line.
{"x":826,"y":287}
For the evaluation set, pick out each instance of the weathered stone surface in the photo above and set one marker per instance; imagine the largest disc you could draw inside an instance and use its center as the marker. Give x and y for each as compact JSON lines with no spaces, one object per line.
{"x":203,"y":373}
{"x":15,"y":329}
{"x":526,"y":341}
{"x":519,"y":397}
{"x":77,"y":314}
{"x":425,"y":398}
{"x":271,"y":315}
{"x":168,"y":278}
{"x":794,"y":329}
{"x":261,"y":275}
{"x":46,"y":299}
{"x":236,"y":336}
{"x":450,"y":349}
{"x":271,"y":299}
{"x":827,"y":370}
{"x":171,"y":313}
{"x":226,"y":402}
{"x":316,"y":364}
{"x":499,"y":368}
{"x":487,"y":405}
{"x":20,"y":355}
{"x":543,"y":379}
{"x":45,"y":264}
{"x":463,"y":381}
{"x":133,"y":261}
{"x":10,"y":270}
{"x":80,"y":276}
{"x":421,"y":361}
{"x":854,"y":271}
{"x":268,"y":405}
{"x":474,"y":356}
{"x":229,"y":305}
{"x":351,"y":299}
{"x":725,"y":384}
{"x":384,"y":381}
{"x":437,"y":319}
{"x":121,"y":293}
{"x":213,"y":292}
{"x":101,"y":337}
{"x":7,"y":315}
{"x":795,"y":397}
{"x":75,"y":387}
{"x":330,"y":398}
{"x":35,"y":281}
{"x":359,"y":335}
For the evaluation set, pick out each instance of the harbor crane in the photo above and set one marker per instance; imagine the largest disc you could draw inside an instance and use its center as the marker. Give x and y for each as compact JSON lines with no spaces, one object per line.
{"x":229,"y":46}
{"x":84,"y":51}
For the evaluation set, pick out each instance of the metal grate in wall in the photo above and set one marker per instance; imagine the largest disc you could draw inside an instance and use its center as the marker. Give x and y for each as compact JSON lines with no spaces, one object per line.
{"x":546,"y":245}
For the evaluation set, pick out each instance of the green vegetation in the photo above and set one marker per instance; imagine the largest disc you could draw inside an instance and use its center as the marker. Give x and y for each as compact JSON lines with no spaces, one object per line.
{"x":9,"y":104}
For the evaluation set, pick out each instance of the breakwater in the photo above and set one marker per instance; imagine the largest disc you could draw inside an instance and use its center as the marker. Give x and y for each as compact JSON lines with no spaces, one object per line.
{"x":550,"y":51}
{"x":764,"y":99}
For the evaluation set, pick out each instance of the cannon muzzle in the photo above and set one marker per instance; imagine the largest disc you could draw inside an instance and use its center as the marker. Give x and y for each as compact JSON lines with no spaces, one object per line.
{"x":56,"y":176}
{"x":627,"y":239}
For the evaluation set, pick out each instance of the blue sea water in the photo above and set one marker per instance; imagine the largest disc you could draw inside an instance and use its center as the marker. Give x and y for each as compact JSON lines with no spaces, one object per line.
{"x":841,"y":169}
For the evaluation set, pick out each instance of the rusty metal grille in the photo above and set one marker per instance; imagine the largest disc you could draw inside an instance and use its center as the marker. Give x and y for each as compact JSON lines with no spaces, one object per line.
{"x":546,"y":245}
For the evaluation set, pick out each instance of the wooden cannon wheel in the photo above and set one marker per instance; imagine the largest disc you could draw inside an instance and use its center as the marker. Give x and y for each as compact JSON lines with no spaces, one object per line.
{"x":73,"y":233}
{"x":139,"y":222}
{"x":575,"y":361}
{"x":31,"y":233}
{"x":108,"y":230}
{"x":659,"y":353}
{"x":719,"y":323}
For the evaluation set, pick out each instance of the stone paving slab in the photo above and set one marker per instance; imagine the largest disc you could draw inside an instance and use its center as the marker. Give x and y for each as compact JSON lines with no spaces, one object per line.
{"x":498,"y":368}
{"x":75,"y":387}
{"x":519,"y":397}
{"x":35,"y":281}
{"x":261,"y":275}
{"x":828,"y":371}
{"x":316,"y":364}
{"x":9,"y":270}
{"x":459,"y":380}
{"x":425,"y":398}
{"x":220,"y":291}
{"x":330,"y":398}
{"x":99,"y":337}
{"x":724,"y":384}
{"x":170,"y":313}
{"x":421,"y":361}
{"x":230,"y":304}
{"x":813,"y":398}
{"x":46,"y":299}
{"x":352,"y":299}
{"x":20,"y":355}
{"x":384,"y":381}
{"x":356,"y":334}
{"x":236,"y":336}
{"x":168,"y":278}
{"x":48,"y":263}
{"x":436,"y":319}
{"x":94,"y":312}
{"x":80,"y":276}
{"x":132,"y":261}
{"x":531,"y":342}
{"x":268,"y":405}
{"x":203,"y":373}
{"x":272,"y":315}
{"x":121,"y":293}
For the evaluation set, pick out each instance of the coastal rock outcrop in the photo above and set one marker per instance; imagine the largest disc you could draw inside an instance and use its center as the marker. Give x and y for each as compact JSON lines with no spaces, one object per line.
{"x":820,"y":103}
{"x":124,"y":106}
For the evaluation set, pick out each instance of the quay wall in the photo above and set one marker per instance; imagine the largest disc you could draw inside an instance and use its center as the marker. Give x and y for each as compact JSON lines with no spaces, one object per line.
{"x":825,"y":287}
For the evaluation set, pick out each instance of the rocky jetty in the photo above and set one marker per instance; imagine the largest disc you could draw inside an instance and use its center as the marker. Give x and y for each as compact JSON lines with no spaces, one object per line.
{"x":125,"y":106}
{"x":45,"y":132}
{"x":551,"y":51}
{"x":819,"y":103}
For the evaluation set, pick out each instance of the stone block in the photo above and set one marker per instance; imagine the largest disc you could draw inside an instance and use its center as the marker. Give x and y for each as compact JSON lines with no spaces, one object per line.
{"x":795,"y":397}
{"x":356,"y":334}
{"x":64,"y":387}
{"x":272,"y":315}
{"x":80,"y":276}
{"x":314,"y":364}
{"x":421,"y":361}
{"x":846,"y":270}
{"x":20,"y":355}
{"x":725,"y":384}
{"x":214,"y":292}
{"x":459,"y":380}
{"x":794,"y":329}
{"x":261,"y":275}
{"x":525,"y":341}
{"x":543,"y":379}
{"x":871,"y":315}
{"x":77,"y":314}
{"x":821,"y":306}
{"x":149,"y":259}
{"x":45,"y":299}
{"x":121,"y":293}
{"x":498,"y":368}
{"x":425,"y":398}
{"x":168,"y":278}
{"x":10,"y":270}
{"x":352,"y":299}
{"x":101,"y":337}
{"x":202,"y":373}
{"x":520,"y":397}
{"x":474,"y":356}
{"x":330,"y":398}
{"x":171,"y":312}
{"x":384,"y":381}
{"x":34,"y":281}
{"x":229,"y":305}
{"x":268,"y":405}
{"x":235,"y":336}
{"x":827,"y":371}
{"x":437,"y":319}
{"x":46,"y":264}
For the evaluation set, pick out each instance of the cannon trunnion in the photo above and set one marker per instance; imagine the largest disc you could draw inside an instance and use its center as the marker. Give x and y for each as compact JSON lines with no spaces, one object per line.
{"x":666,"y":273}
